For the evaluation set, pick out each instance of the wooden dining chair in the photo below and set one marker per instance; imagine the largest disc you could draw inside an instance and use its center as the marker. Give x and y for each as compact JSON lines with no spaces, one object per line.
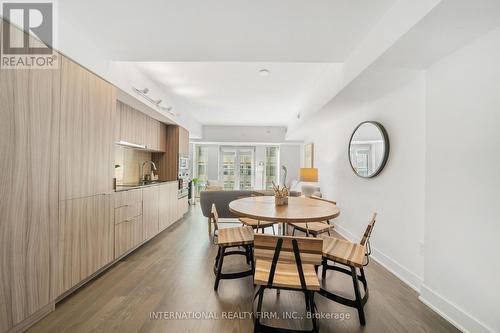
{"x":257,"y":224}
{"x":290,"y":263}
{"x":314,"y":228}
{"x":354,"y":256}
{"x":230,"y":238}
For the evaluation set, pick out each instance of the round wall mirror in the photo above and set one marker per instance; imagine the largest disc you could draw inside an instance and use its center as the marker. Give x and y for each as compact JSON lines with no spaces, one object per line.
{"x":368,"y":149}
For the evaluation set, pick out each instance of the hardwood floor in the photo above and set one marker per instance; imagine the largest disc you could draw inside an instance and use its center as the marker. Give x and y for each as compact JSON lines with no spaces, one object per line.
{"x":173,"y":273}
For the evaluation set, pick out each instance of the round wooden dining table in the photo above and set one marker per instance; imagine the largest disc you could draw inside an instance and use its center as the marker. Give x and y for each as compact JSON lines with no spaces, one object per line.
{"x":298,"y":210}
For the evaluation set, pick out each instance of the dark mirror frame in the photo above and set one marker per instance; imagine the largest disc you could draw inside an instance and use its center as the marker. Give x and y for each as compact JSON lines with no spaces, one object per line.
{"x":386,"y":148}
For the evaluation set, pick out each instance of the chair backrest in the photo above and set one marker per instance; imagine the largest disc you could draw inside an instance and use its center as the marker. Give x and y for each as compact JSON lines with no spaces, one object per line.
{"x":283,"y":249}
{"x":215,"y":217}
{"x":310,"y":249}
{"x":368,"y":231}
{"x":325,"y":200}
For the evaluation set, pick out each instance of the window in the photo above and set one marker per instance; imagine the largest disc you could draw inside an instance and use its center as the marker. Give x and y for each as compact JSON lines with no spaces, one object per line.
{"x":246,"y":168}
{"x":202,"y":163}
{"x":237,"y":167}
{"x":271,"y":164}
{"x":228,"y":168}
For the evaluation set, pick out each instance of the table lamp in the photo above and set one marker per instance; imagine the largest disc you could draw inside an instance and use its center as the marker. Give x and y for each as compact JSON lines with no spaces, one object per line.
{"x":308,"y":175}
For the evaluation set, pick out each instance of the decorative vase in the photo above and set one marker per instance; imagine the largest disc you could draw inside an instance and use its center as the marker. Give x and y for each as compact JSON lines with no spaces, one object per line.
{"x":280,"y":201}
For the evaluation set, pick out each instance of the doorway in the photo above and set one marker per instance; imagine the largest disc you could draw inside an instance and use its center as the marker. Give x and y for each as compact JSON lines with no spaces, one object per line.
{"x":237,"y":167}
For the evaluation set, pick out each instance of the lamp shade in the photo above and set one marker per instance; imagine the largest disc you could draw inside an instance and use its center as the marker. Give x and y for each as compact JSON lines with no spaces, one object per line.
{"x":308,"y":174}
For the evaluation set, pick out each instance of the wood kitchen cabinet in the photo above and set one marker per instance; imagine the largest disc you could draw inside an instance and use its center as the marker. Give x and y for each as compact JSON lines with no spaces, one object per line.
{"x":86,"y":238}
{"x":60,"y":221}
{"x":88,"y":115}
{"x":182,"y":207}
{"x":183,"y":141}
{"x":137,"y":128}
{"x":177,"y":144}
{"x":128,"y":221}
{"x":29,"y":164}
{"x":150,"y":211}
{"x":133,"y":124}
{"x":163,"y":137}
{"x":168,"y":205}
{"x":128,"y":235}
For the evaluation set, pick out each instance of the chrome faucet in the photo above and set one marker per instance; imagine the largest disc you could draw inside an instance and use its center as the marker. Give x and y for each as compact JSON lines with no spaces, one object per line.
{"x":142,"y":177}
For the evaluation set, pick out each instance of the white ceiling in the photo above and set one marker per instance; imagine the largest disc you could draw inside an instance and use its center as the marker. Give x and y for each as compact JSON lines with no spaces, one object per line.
{"x":206,"y":54}
{"x":234,"y":93}
{"x":451,"y":25}
{"x":224,"y":30}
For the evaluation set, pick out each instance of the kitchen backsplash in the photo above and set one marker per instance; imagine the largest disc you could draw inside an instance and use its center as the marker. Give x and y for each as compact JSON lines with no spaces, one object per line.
{"x":130,"y":161}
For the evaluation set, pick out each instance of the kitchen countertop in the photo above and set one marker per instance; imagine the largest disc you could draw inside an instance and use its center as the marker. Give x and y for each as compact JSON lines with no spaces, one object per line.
{"x":128,"y":187}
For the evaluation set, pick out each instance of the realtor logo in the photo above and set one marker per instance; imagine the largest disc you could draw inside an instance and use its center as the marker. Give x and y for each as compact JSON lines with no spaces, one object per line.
{"x":27,"y":35}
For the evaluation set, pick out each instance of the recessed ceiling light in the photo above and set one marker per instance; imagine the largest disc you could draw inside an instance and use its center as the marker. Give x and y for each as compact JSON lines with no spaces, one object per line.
{"x":264,"y":72}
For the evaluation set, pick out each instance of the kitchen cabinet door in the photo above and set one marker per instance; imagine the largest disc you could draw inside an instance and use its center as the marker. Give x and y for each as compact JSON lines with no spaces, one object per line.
{"x":86,"y":238}
{"x":88,"y":115}
{"x":29,"y":148}
{"x":183,"y":141}
{"x":165,"y":218}
{"x":174,"y":187}
{"x":134,"y":126}
{"x":163,"y":137}
{"x":126,"y":198}
{"x":153,"y":132}
{"x":182,"y":207}
{"x":128,"y":235}
{"x":150,"y":211}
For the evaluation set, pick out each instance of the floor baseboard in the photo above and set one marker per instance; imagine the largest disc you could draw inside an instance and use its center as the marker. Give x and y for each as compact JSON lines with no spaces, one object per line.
{"x":446,"y":309}
{"x":33,"y":319}
{"x":452,"y":313}
{"x":408,"y":277}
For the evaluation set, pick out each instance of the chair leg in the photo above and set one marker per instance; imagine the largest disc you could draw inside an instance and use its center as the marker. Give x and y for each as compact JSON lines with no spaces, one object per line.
{"x":359,"y":305}
{"x":274,"y":233}
{"x":363,"y":277}
{"x":293,"y":232}
{"x":259,"y":309}
{"x":323,"y":271}
{"x":209,"y":227}
{"x":308,"y":301}
{"x":219,"y":268}
{"x":216,"y":263}
{"x":313,"y":312}
{"x":252,"y":261}
{"x":247,"y":254}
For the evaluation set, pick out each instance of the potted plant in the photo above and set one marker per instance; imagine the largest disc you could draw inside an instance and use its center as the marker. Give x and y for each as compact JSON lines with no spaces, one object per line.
{"x":196,"y":182}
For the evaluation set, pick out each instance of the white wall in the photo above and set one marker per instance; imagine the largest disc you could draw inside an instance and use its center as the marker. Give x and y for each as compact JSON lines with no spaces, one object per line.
{"x":462,"y":227}
{"x":290,"y":157}
{"x":441,"y":185}
{"x":267,"y":134}
{"x":397,"y":194}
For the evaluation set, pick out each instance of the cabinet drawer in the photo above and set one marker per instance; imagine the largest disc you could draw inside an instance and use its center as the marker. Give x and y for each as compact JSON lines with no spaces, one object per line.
{"x":127,"y":197}
{"x":128,"y":212}
{"x":128,"y":235}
